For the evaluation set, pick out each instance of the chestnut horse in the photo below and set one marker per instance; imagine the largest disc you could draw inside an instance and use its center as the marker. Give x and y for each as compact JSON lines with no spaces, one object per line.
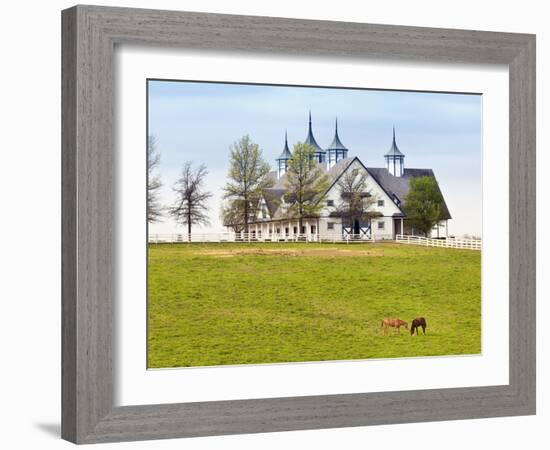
{"x":396,"y":323}
{"x":418,"y":322}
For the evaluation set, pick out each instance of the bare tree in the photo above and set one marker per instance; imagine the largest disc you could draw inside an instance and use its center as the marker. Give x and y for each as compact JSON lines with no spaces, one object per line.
{"x":306,"y":184}
{"x":247,"y":179}
{"x":232,"y":214}
{"x":355,"y":200}
{"x":154,"y":207}
{"x":190,"y":207}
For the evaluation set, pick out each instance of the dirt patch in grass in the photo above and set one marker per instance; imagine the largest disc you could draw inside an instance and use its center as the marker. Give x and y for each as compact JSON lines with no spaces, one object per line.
{"x":290,"y":252}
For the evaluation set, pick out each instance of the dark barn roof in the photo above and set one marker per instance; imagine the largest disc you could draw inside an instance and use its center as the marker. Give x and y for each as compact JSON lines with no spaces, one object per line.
{"x":393,"y":186}
{"x":399,"y":186}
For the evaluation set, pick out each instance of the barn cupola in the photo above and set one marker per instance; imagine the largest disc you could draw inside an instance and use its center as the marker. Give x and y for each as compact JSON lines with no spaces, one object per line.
{"x":282,"y":160}
{"x":336,"y":151}
{"x":395,"y":160}
{"x":320,"y":154}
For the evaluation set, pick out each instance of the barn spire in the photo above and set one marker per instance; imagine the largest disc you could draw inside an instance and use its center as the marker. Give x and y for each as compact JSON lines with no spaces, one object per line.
{"x":395,"y":160}
{"x":284,"y":157}
{"x":320,"y":154}
{"x":336,"y":150}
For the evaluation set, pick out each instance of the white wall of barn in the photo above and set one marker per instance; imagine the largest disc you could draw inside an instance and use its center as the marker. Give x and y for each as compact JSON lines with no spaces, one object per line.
{"x":388,"y":209}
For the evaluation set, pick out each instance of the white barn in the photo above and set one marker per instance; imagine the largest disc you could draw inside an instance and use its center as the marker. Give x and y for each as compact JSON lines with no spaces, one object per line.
{"x":388,"y":185}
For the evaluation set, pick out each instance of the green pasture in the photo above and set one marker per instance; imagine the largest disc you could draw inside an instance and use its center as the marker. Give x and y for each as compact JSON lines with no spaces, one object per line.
{"x":218,"y":304}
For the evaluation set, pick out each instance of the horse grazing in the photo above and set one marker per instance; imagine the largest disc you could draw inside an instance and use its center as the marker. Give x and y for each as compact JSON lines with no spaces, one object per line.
{"x":396,"y":323}
{"x":418,"y":322}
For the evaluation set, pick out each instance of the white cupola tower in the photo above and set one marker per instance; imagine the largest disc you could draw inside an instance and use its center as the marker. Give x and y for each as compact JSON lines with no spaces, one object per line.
{"x":282,"y":160}
{"x":395,"y":160}
{"x":336,"y":150}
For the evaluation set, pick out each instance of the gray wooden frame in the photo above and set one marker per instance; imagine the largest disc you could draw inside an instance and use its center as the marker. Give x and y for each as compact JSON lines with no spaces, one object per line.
{"x":89,"y":37}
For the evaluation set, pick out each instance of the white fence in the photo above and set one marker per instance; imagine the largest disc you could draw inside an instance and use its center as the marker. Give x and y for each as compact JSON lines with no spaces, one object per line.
{"x":258,"y":237}
{"x":472,"y":244}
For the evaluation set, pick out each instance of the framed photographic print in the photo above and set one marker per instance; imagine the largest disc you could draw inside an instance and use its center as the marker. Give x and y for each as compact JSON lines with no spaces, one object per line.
{"x":268,"y":230}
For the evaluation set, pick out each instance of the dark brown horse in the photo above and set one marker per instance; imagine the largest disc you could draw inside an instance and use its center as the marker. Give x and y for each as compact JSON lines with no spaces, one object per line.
{"x":418,"y":322}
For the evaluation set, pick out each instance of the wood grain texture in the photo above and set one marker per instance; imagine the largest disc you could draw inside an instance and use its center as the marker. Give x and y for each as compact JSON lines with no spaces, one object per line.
{"x":89,"y":37}
{"x":68,"y":226}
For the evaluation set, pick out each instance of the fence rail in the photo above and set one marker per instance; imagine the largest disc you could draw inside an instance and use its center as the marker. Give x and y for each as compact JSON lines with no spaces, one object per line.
{"x":472,"y":244}
{"x":258,"y":237}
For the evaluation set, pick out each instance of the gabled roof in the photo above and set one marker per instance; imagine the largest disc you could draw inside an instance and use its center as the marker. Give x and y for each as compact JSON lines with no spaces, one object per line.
{"x":286,"y":152}
{"x":394,"y":150}
{"x":391,"y":185}
{"x":311,"y":140}
{"x":336,"y":143}
{"x":399,"y":186}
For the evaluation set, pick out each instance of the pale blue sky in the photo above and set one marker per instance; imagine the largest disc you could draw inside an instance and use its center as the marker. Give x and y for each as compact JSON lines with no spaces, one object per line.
{"x":199,"y":121}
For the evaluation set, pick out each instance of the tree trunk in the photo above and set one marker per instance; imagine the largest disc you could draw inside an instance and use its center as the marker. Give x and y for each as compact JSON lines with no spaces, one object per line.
{"x":189,"y":227}
{"x":246,"y":215}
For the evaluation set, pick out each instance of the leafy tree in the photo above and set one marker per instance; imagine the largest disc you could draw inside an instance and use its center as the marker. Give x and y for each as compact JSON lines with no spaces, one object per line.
{"x":154,"y":207}
{"x":306,"y":184}
{"x":424,"y":204}
{"x":355,"y":199}
{"x":190,"y":207}
{"x":247,"y":179}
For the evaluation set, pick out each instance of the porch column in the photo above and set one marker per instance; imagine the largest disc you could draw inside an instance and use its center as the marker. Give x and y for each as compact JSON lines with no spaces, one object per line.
{"x":402,"y":230}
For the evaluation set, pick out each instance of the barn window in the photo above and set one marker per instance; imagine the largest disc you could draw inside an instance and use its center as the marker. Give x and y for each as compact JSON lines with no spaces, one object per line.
{"x":330,"y":225}
{"x":330,"y":202}
{"x":381,"y":225}
{"x":380,"y":202}
{"x":312,"y":229}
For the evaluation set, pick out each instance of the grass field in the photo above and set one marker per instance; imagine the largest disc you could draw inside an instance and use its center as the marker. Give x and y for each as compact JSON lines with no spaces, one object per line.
{"x":217,"y":304}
